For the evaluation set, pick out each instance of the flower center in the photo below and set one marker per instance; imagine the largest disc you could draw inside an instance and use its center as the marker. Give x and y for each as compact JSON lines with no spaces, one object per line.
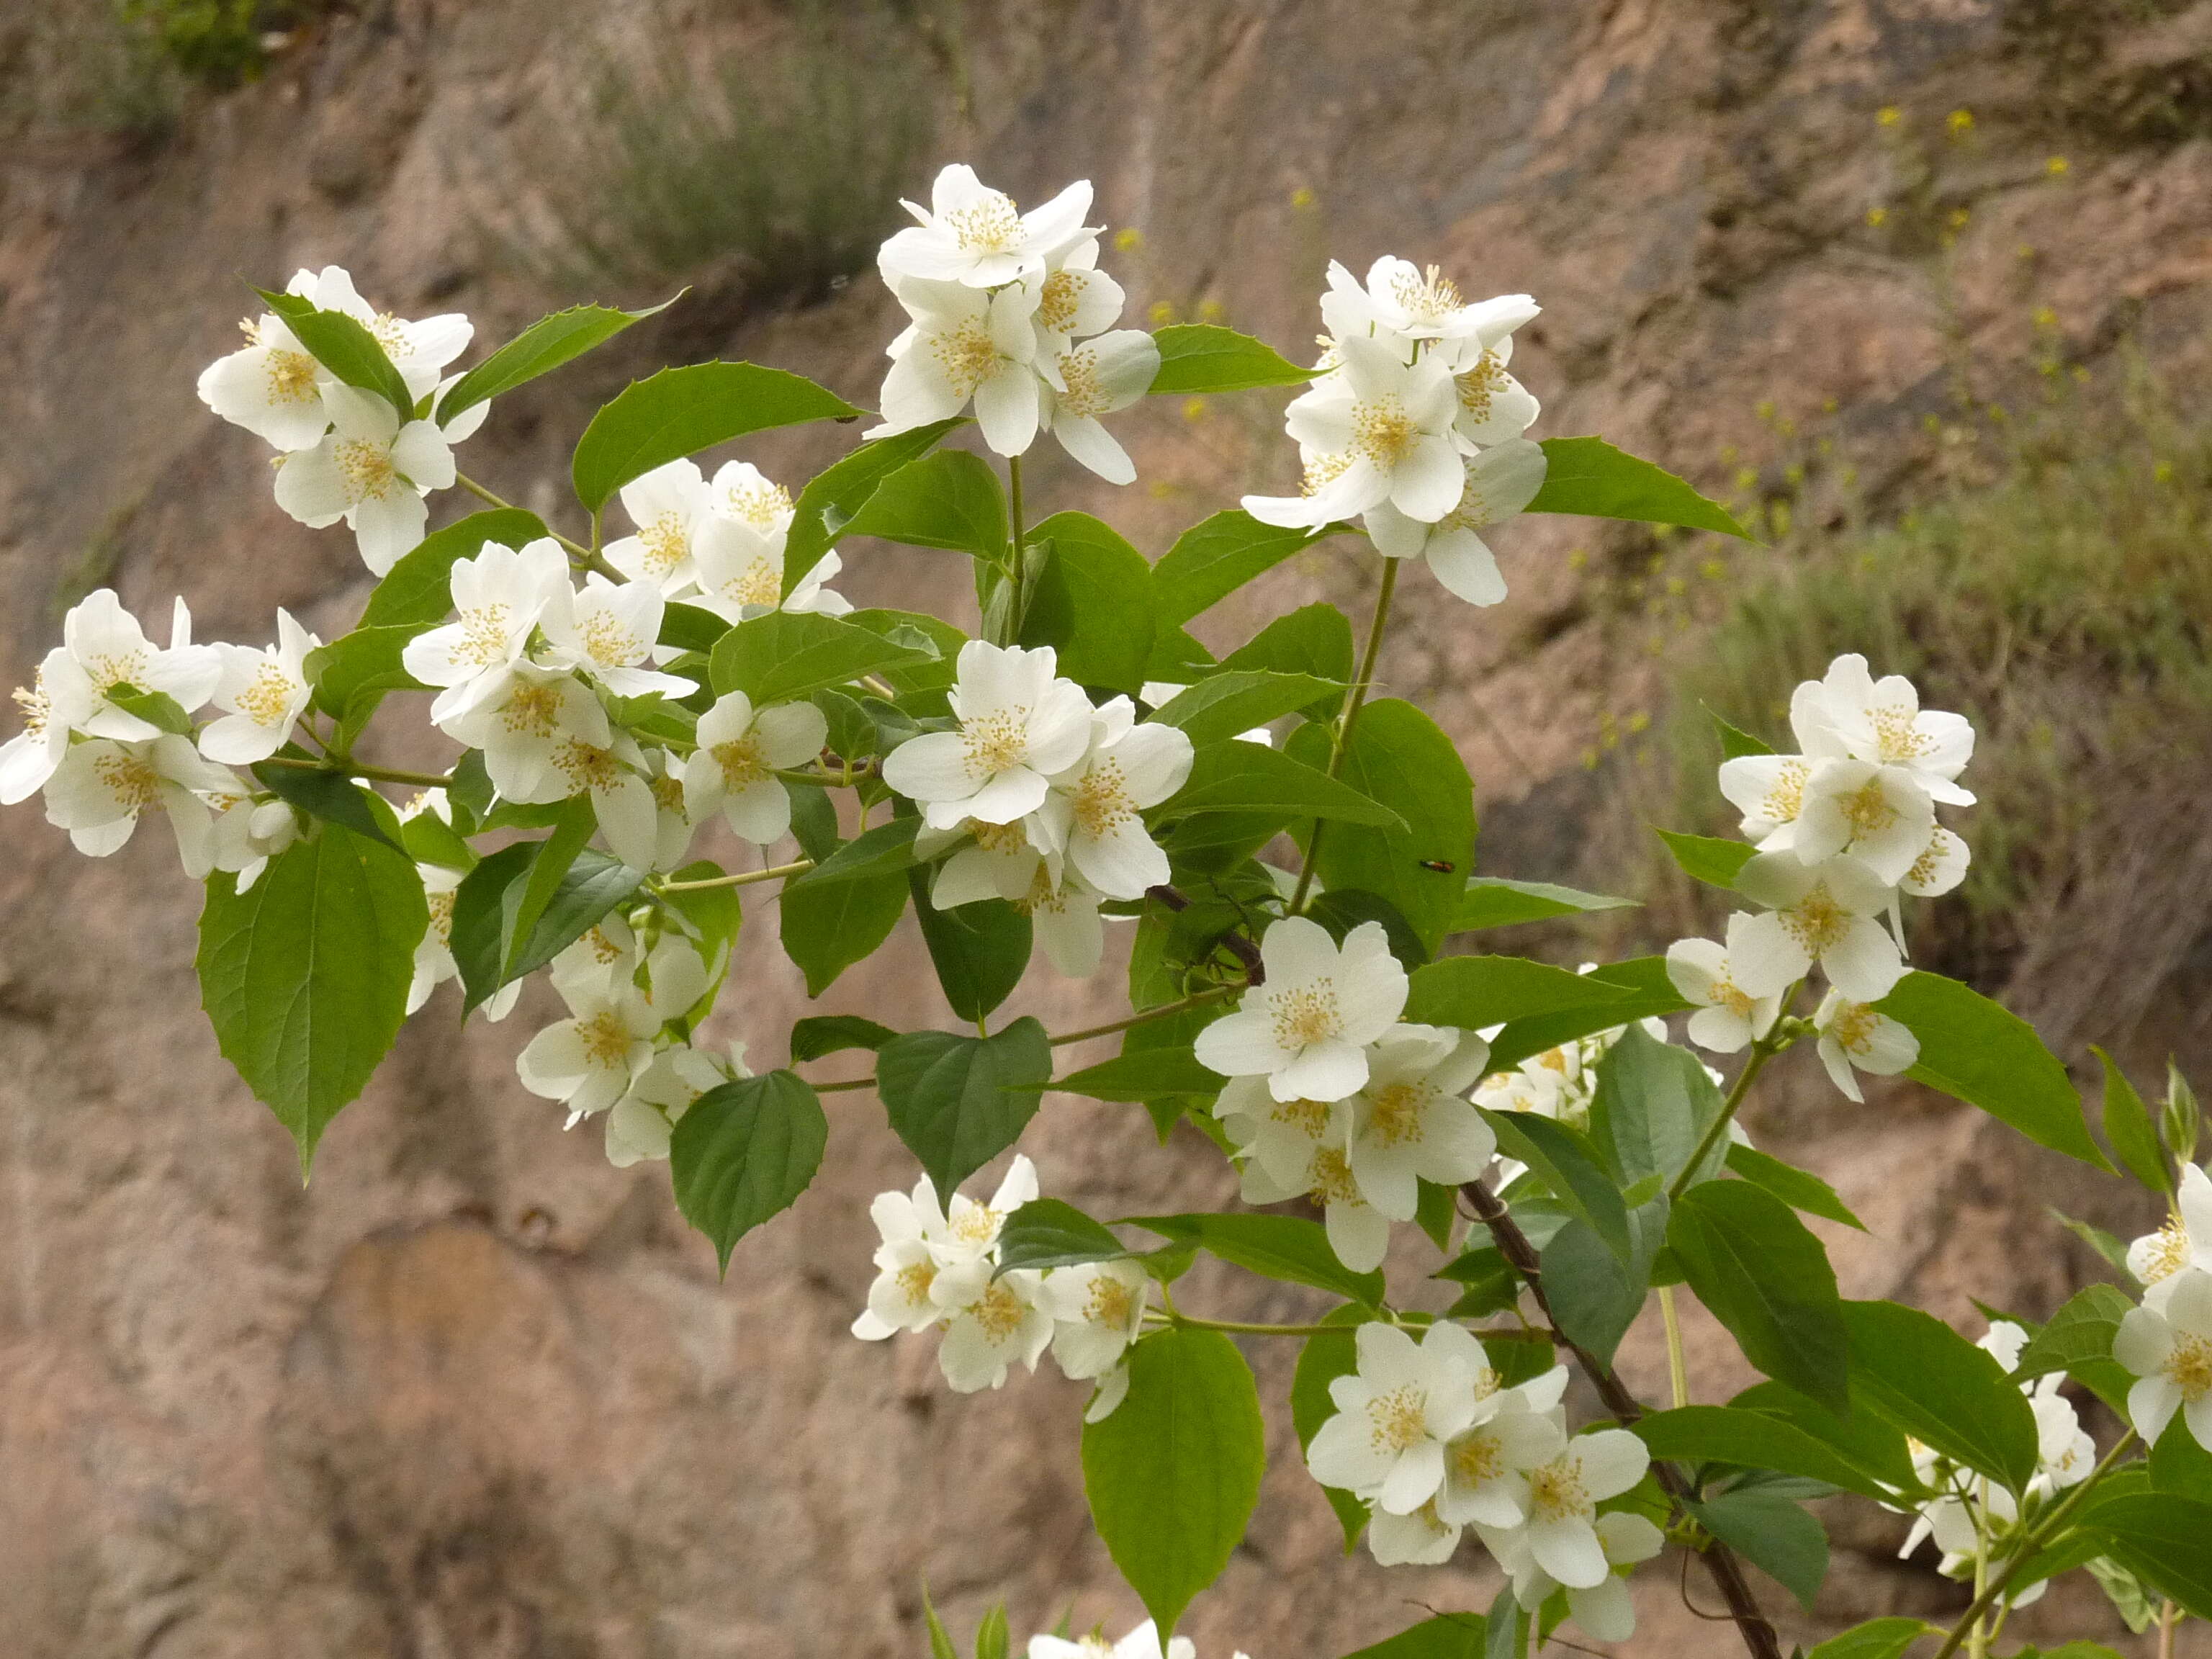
{"x":1323,"y":470}
{"x":1868,"y":810}
{"x":291,"y":376}
{"x":1923,"y":872}
{"x":974,"y":1223}
{"x":37,"y":708}
{"x":1381,"y":431}
{"x":1330,"y":1174}
{"x":1426,"y":298}
{"x":606,"y":1039}
{"x":108,"y":672}
{"x":989,"y":225}
{"x":484,"y":636}
{"x":441,"y":914}
{"x":268,"y":700}
{"x":588,"y":767}
{"x":1305,"y":1015}
{"x":2169,"y":1252}
{"x":1477,"y":385}
{"x":999,"y":1311}
{"x":1003,"y":839}
{"x":1727,"y":993}
{"x":997,"y":742}
{"x":1477,"y":1458}
{"x":1078,"y":373}
{"x":2189,"y":1366}
{"x":1785,"y":798}
{"x":1110,"y":1302}
{"x":1897,"y":735}
{"x":1556,"y":1492}
{"x":1398,"y":1420}
{"x":1309,"y":1117}
{"x":366,"y":468}
{"x":1057,"y":300}
{"x":1853,"y":1027}
{"x":532,"y":710}
{"x":766,"y":506}
{"x":760,"y":583}
{"x":667,"y":543}
{"x":133,"y":782}
{"x":967,"y":355}
{"x":667,"y":794}
{"x":914,"y":1279}
{"x":1394,"y":1115}
{"x":1101,"y":799}
{"x":1817,"y":921}
{"x":607,"y":641}
{"x":605,"y":951}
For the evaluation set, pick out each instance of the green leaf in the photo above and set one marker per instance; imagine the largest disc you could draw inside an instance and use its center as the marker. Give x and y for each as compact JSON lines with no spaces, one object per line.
{"x":1218,"y":556}
{"x":305,"y":975}
{"x":1735,"y":742}
{"x":1800,"y":1189}
{"x":680,"y":411}
{"x":363,"y":663}
{"x":957,"y":1101}
{"x":949,"y":499}
{"x":416,"y":593}
{"x":1924,"y":1376}
{"x":1879,"y":1639}
{"x":1446,"y":1636}
{"x":783,"y":656}
{"x":1226,"y":705}
{"x":480,"y":913}
{"x":1474,"y":992}
{"x":1652,"y":1106}
{"x":992,"y":1637}
{"x":980,"y":949}
{"x":829,"y":1034}
{"x":1570,"y":1169}
{"x":826,"y":929}
{"x":2133,"y":1599}
{"x":1323,"y":1357}
{"x":885,"y":850}
{"x":1990,"y":1057}
{"x":1047,"y":1233}
{"x":1595,"y":1294}
{"x":428,"y":839}
{"x":1315,"y":639}
{"x":2128,"y":1127}
{"x":540,"y":349}
{"x":1093,"y":602}
{"x":1280,"y":1247}
{"x":940,"y":1641}
{"x":2161,"y":1538}
{"x":1875,"y":1444}
{"x":1645,"y":992}
{"x":1398,"y":754}
{"x":1763,"y":1276}
{"x":2114,"y":1253}
{"x":330,"y":796}
{"x":578,"y":823}
{"x":1506,"y":1628}
{"x":1147,"y":1074}
{"x":592,"y":885}
{"x":1247,"y":777}
{"x":2078,"y":1340}
{"x":1709,"y":859}
{"x":825,"y":508}
{"x":689,"y":628}
{"x":1201,"y":357}
{"x":155,"y":707}
{"x":1590,"y":477}
{"x":1493,"y":902}
{"x":344,"y":347}
{"x":743,"y":1153}
{"x":1173,"y":1474}
{"x":1751,"y":1440}
{"x":1341,"y":909}
{"x":1774,"y":1535}
{"x":2177,"y":1464}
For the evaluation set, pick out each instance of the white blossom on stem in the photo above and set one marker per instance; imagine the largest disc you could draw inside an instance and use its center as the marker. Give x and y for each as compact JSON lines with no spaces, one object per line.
{"x":271,"y":386}
{"x":1082,"y":381}
{"x":1307,"y":1029}
{"x":1004,"y":1324}
{"x":1850,"y":712}
{"x":1728,"y":1018}
{"x":1296,"y":1149}
{"x":1487,"y":1465}
{"x":1822,"y":913}
{"x":671,"y":507}
{"x":539,"y":730}
{"x":248,"y":833}
{"x":1098,"y":1311}
{"x":732,"y":771}
{"x":2169,"y":1349}
{"x":640,"y":1123}
{"x":607,"y":631}
{"x":1395,"y":1413}
{"x":498,"y":595}
{"x":974,"y":235}
{"x":1384,"y":430}
{"x":1879,"y":815}
{"x":1494,"y":408}
{"x":1019,"y":725}
{"x":1564,"y":1493}
{"x":2184,"y":1241}
{"x":1411,"y":1122}
{"x":1855,"y":1036}
{"x":1605,"y":1611}
{"x":101,"y":787}
{"x":965,"y":344}
{"x":1769,"y":791}
{"x":1093,"y":812}
{"x":419,"y":350}
{"x":590,"y":1060}
{"x":371,"y":469}
{"x":1401,"y":299}
{"x":1499,"y":483}
{"x":263,"y":693}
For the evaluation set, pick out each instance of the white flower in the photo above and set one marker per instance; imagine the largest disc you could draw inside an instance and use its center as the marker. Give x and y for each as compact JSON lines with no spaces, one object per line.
{"x":1002,"y":1325}
{"x":964,"y":343}
{"x":1817,"y":913}
{"x":1529,"y":1087}
{"x":1499,"y":483}
{"x":1142,"y":1643}
{"x":419,"y":350}
{"x":370,"y":470}
{"x":1065,"y":915}
{"x":2064,"y":1453}
{"x":263,"y":693}
{"x":1855,"y":1035}
{"x":989,"y":860}
{"x":1729,"y":1018}
{"x":1422,"y":1539}
{"x":1879,"y":815}
{"x":1018,"y":726}
{"x":973,"y":235}
{"x":1401,"y":299}
{"x":1098,"y":1310}
{"x":1605,"y":1610}
{"x":1410,"y":1123}
{"x":1075,"y":300}
{"x":1486,"y":1466}
{"x":1395,"y":1412}
{"x":1769,"y":790}
{"x":904,"y":1297}
{"x":970,"y":1236}
{"x":103,"y":650}
{"x":101,"y":787}
{"x":607,"y":955}
{"x":1307,"y":1029}
{"x":670,"y":505}
{"x":739,"y":553}
{"x":672,"y":822}
{"x":607,"y":631}
{"x":498,"y":597}
{"x":1096,"y":377}
{"x":271,"y":386}
{"x":1296,"y":1149}
{"x":538,"y":729}
{"x":1851,"y":713}
{"x":1494,"y":408}
{"x":2170,"y":1349}
{"x":1563,"y":1495}
{"x":733,"y":768}
{"x":589,"y":1061}
{"x":248,"y":833}
{"x":56,"y":699}
{"x":640,"y":1123}
{"x":1385,"y":429}
{"x":2184,"y":1241}
{"x":1941,"y":866}
{"x":1093,"y":812}
{"x":433,"y":955}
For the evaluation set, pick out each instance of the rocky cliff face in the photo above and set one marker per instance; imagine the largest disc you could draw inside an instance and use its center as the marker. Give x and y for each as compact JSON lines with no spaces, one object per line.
{"x":476,"y":1393}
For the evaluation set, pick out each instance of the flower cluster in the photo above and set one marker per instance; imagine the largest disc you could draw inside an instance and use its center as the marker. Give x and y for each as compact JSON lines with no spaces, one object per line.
{"x":1333,"y":1097}
{"x":1428,"y":1436}
{"x":1843,"y":829}
{"x":1413,"y":425}
{"x":938,"y":1267}
{"x":719,"y":543}
{"x":1561,"y":1082}
{"x":2167,"y":1342}
{"x":1008,"y":311}
{"x":1142,"y":1643}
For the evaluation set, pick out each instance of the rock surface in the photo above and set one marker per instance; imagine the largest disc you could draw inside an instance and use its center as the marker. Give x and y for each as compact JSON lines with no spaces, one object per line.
{"x":475,"y":1393}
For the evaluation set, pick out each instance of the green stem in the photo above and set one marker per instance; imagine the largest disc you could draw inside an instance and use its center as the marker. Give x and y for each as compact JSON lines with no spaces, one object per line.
{"x":1197,"y":998}
{"x":743,"y":878}
{"x":1678,"y":1370}
{"x":355,"y":769}
{"x":1362,"y":680}
{"x":587,"y":557}
{"x":1242,"y":1327}
{"x":1761,"y":1051}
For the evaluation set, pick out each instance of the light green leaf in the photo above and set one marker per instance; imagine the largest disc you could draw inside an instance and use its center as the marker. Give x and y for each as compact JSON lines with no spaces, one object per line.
{"x":1709,"y":859}
{"x":416,"y":593}
{"x":1645,"y":992}
{"x":1923,"y":1376}
{"x":1990,"y":1057}
{"x":1446,"y":1636}
{"x":1093,"y":602}
{"x":957,"y":1101}
{"x":2128,"y":1125}
{"x":1590,"y":477}
{"x":1474,"y":992}
{"x":343,"y":346}
{"x":980,"y":949}
{"x":1493,"y":902}
{"x":1315,"y":639}
{"x":155,"y":707}
{"x":360,"y":664}
{"x":1047,"y":1233}
{"x":575,"y":826}
{"x":1800,"y":1189}
{"x":1147,"y":1074}
{"x":949,"y":499}
{"x":2078,"y":1340}
{"x":784,"y":655}
{"x":1281,"y":1247}
{"x":680,"y":411}
{"x":1173,"y":1474}
{"x":1736,"y":742}
{"x":1879,"y":1639}
{"x":885,"y":850}
{"x":992,"y":1637}
{"x":1250,"y":778}
{"x":1218,"y":556}
{"x":1763,"y":1276}
{"x":743,"y":1153}
{"x":1225,"y":705}
{"x":1751,"y":1440}
{"x":305,"y":975}
{"x":1774,"y":1535}
{"x":825,"y":508}
{"x":539,"y":350}
{"x":1201,"y":357}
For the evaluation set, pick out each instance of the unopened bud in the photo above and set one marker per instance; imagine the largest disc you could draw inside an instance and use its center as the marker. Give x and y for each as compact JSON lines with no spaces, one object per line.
{"x":2184,"y":1117}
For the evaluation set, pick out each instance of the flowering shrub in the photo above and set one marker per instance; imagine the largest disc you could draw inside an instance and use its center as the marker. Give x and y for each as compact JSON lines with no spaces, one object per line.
{"x":1086,"y":762}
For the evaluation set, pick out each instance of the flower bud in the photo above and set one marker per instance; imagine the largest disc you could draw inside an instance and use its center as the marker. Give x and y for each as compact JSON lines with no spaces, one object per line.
{"x":2184,"y":1117}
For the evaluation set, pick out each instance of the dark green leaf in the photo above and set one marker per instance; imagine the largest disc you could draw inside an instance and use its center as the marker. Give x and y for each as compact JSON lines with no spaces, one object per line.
{"x":1047,"y":1233}
{"x":1147,"y":1074}
{"x":745,"y":1151}
{"x":680,"y":411}
{"x":1872,"y":1443}
{"x":689,"y":628}
{"x":363,"y":663}
{"x":305,"y":975}
{"x":1229,"y":704}
{"x":829,"y":1034}
{"x":885,"y":850}
{"x":418,"y":592}
{"x":1201,"y":357}
{"x":2078,"y":1340}
{"x":1315,"y":639}
{"x":1590,"y":477}
{"x":2178,"y":1464}
{"x":1568,"y":1167}
{"x":2163,"y":1538}
{"x":1595,"y":1295}
{"x":1093,"y":602}
{"x":1474,"y":992}
{"x":1652,"y":1107}
{"x":344,"y":347}
{"x":1274,"y":1246}
{"x":980,"y":949}
{"x":1446,"y":1636}
{"x":1880,"y":1639}
{"x":1990,"y":1057}
{"x":592,"y":884}
{"x":1341,"y":909}
{"x":1774,"y":1535}
{"x":330,"y":796}
{"x":957,"y":1102}
{"x":480,"y":913}
{"x":2128,"y":1127}
{"x":539,"y":350}
{"x":826,"y":929}
{"x":1215,"y":557}
{"x":825,"y":508}
{"x":1798,"y":1188}
{"x":1709,"y":858}
{"x":949,"y":499}
{"x":1493,"y":901}
{"x":1924,"y":1376}
{"x":1247,"y":777}
{"x":784,"y":655}
{"x":1173,"y":1474}
{"x":577,"y":823}
{"x":1751,"y":1440}
{"x":1763,"y":1276}
{"x":1397,"y":754}
{"x":1645,"y":992}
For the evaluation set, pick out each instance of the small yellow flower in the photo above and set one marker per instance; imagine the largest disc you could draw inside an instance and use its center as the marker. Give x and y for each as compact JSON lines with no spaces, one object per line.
{"x":1162,"y":313}
{"x":2056,"y":166}
{"x":1876,"y":215}
{"x":1211,"y":311}
{"x":1590,"y":760}
{"x":1958,"y":218}
{"x":1827,"y":405}
{"x":1194,"y":410}
{"x":1960,"y":122}
{"x":1889,"y":115}
{"x":2045,"y":317}
{"x":2163,"y":472}
{"x":1302,"y":198}
{"x":1729,"y":454}
{"x":1639,"y":721}
{"x":2081,"y":371}
{"x":1578,"y":559}
{"x":1713,"y":570}
{"x":1128,"y":240}
{"x":1746,"y":476}
{"x":1764,"y":410}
